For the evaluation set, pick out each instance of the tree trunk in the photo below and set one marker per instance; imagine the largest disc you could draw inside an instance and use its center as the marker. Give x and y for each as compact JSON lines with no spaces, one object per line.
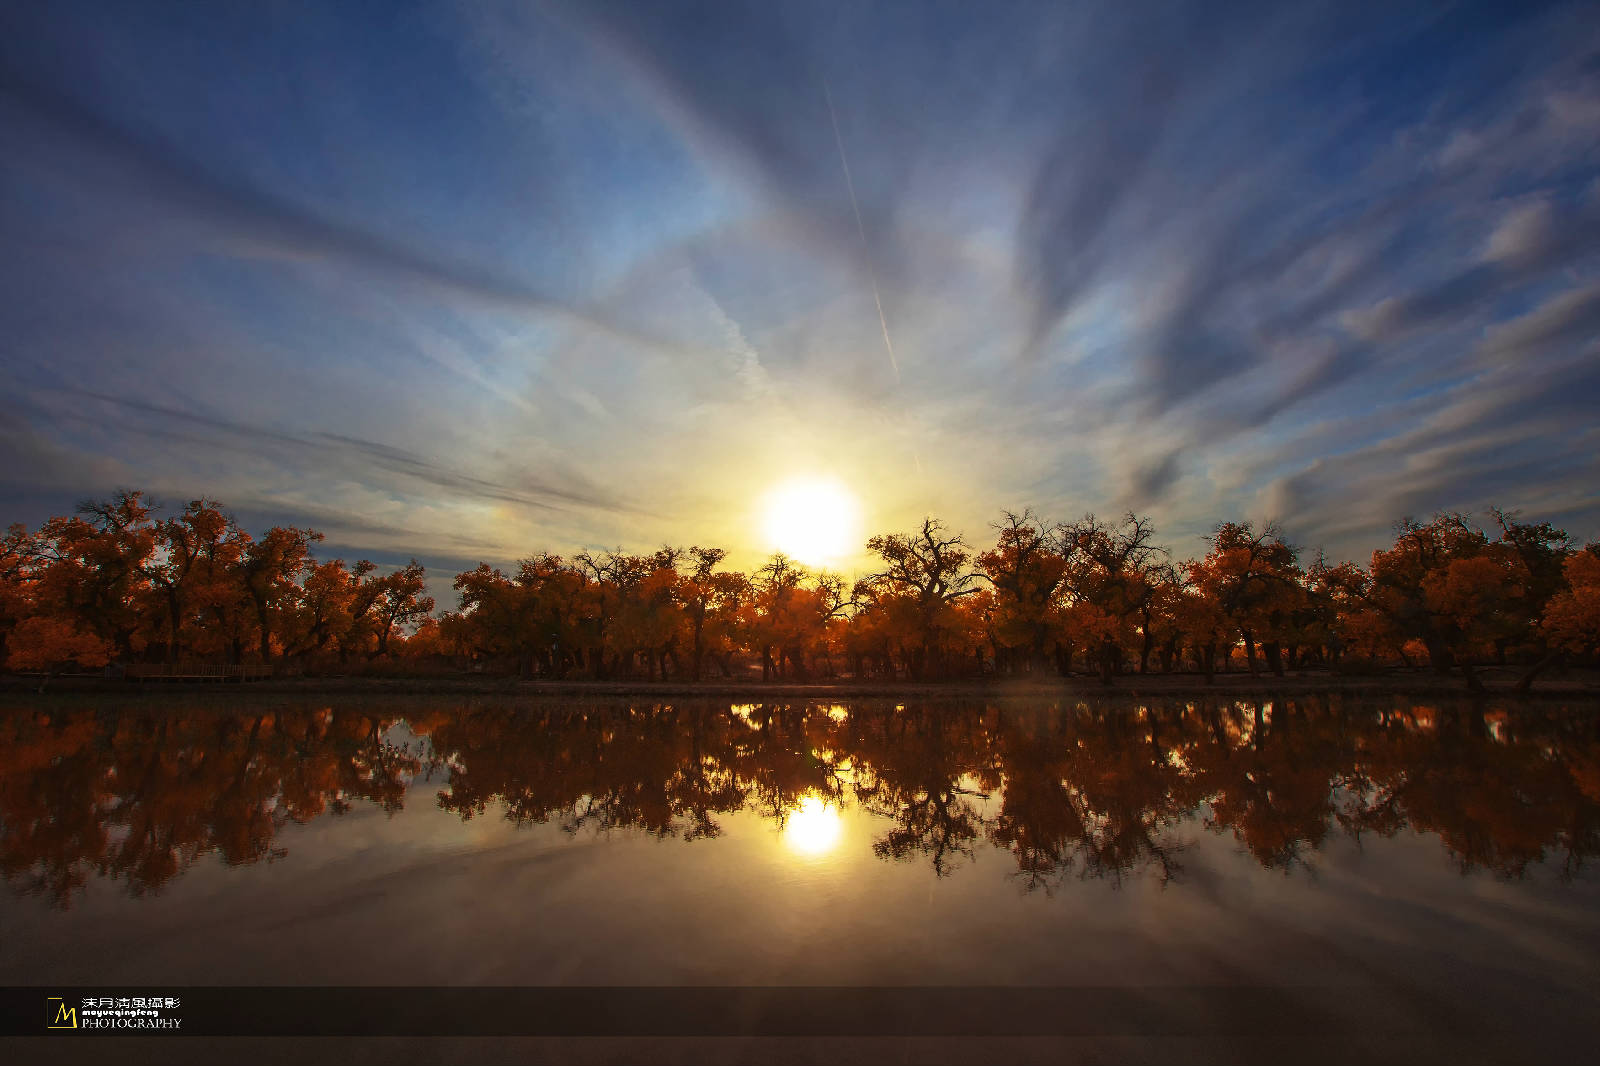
{"x":1439,"y":656}
{"x":174,"y":621}
{"x":1525,"y":682}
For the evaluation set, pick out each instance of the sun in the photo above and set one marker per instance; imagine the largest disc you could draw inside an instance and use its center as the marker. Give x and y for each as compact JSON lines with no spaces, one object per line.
{"x":813,"y":827}
{"x":815,"y":521}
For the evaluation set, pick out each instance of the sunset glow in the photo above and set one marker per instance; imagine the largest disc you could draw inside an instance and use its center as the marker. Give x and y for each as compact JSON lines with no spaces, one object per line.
{"x":848,"y":528}
{"x":813,"y":828}
{"x":816,"y":522}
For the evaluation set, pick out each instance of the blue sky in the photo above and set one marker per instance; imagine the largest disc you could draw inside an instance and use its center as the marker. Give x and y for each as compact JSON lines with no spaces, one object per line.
{"x":470,"y":280}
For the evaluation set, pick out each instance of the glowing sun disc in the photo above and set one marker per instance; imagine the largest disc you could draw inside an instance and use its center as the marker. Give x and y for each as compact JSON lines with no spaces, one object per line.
{"x":812,"y":828}
{"x":816,"y":522}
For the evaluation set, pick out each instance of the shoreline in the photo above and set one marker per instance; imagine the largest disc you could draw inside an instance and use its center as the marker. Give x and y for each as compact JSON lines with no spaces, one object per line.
{"x":1570,"y":685}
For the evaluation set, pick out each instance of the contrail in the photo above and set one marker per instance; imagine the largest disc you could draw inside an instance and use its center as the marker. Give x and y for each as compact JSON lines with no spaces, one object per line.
{"x":862,"y":230}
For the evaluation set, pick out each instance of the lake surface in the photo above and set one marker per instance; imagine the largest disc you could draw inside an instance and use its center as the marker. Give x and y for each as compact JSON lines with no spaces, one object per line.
{"x":1420,"y":877}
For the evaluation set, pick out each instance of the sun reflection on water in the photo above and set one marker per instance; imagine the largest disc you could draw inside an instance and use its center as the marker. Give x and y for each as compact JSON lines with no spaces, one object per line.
{"x":813,"y":828}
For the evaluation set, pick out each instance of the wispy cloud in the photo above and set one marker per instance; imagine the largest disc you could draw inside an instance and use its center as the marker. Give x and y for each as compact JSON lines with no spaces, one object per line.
{"x":504,"y":276}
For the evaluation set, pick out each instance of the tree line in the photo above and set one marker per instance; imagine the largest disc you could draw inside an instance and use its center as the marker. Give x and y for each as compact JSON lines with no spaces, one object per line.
{"x":116,"y":582}
{"x":1106,"y":793}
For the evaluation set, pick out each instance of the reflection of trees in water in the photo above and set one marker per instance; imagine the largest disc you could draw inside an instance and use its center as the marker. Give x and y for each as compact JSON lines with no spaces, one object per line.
{"x":668,"y":771}
{"x":139,"y":796}
{"x":1092,"y":792}
{"x":927,"y":772}
{"x":784,"y":754}
{"x":1269,"y":772}
{"x":1496,"y":804}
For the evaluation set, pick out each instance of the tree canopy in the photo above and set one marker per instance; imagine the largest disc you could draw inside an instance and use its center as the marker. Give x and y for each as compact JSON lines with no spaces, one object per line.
{"x":119,"y":583}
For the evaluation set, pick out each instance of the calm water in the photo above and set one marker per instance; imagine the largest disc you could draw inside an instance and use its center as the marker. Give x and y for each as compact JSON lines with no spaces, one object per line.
{"x":1439,"y":859}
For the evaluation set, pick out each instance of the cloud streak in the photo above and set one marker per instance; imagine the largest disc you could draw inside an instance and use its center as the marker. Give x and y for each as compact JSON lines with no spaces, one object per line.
{"x":340,"y":453}
{"x":580,"y":274}
{"x":253,"y":223}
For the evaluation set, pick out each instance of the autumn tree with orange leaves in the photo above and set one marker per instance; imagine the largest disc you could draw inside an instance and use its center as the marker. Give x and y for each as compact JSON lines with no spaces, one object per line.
{"x":118,"y":583}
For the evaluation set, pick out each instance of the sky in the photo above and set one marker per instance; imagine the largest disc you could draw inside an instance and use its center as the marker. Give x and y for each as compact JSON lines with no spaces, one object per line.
{"x":467,"y":281}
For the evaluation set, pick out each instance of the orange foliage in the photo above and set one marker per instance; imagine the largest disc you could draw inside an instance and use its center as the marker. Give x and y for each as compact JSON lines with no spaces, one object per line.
{"x":1572,"y":618}
{"x":115,"y":583}
{"x":49,"y":644}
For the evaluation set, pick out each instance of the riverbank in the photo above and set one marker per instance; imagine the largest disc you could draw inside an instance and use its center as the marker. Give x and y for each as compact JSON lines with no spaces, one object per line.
{"x":1498,"y":682}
